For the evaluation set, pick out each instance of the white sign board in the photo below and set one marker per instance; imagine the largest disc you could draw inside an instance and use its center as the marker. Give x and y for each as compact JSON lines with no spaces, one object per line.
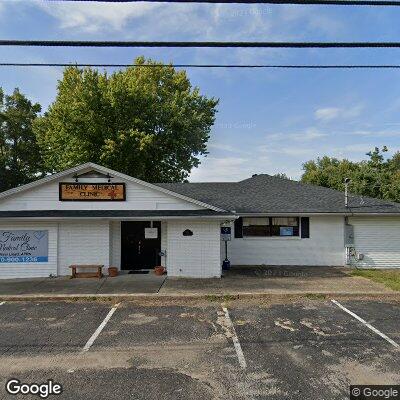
{"x":24,"y":246}
{"x":225,"y":233}
{"x":150,"y":233}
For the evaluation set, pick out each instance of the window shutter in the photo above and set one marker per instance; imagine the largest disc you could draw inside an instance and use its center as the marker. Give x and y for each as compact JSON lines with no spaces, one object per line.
{"x":305,"y":227}
{"x":239,"y":227}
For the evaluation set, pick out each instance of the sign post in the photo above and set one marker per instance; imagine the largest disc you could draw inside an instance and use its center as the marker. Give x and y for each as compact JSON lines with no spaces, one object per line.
{"x":226,"y":237}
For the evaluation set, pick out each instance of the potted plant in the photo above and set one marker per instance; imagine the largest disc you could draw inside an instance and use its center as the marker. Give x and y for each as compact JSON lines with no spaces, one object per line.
{"x":159,"y":270}
{"x":112,"y":271}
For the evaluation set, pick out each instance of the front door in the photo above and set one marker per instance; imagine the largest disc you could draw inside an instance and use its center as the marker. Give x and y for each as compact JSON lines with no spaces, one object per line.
{"x":137,"y":251}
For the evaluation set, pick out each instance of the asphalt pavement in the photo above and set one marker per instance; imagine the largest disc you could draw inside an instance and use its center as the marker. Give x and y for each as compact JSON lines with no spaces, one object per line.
{"x":308,"y":349}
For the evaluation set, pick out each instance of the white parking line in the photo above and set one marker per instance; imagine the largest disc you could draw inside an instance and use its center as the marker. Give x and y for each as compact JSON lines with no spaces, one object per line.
{"x":382,"y":335}
{"x":235,"y":339}
{"x":100,"y":328}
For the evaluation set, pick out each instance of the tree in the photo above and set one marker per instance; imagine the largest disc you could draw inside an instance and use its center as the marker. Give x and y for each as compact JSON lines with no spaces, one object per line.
{"x":20,"y":160}
{"x":375,"y":177}
{"x":148,"y":122}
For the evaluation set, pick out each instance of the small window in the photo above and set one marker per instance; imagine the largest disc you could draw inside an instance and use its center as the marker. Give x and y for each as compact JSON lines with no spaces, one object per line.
{"x":271,"y":226}
{"x":187,"y":232}
{"x":256,"y":227}
{"x":285,"y":226}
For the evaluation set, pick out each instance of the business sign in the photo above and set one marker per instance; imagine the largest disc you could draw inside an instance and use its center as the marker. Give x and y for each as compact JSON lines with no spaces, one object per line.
{"x":24,"y":246}
{"x":92,"y":192}
{"x":226,"y":233}
{"x":150,"y":233}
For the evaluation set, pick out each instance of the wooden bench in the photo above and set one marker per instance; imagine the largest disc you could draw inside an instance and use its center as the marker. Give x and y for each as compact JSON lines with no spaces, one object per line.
{"x":97,"y":274}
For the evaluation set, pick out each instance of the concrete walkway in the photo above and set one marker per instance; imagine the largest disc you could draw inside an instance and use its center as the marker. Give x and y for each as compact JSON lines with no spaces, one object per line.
{"x":238,"y":281}
{"x":278,"y":280}
{"x":121,"y":284}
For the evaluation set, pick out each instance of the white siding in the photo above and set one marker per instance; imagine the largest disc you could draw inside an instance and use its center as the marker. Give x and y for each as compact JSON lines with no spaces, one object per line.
{"x":195,"y":256}
{"x":115,"y":244}
{"x":378,"y":238}
{"x":324,"y":247}
{"x":84,"y":242}
{"x":164,"y":242}
{"x":32,"y":270}
{"x":138,"y":197}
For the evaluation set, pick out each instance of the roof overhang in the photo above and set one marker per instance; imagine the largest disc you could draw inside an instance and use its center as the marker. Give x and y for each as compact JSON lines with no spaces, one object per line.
{"x":118,"y":215}
{"x":306,"y":214}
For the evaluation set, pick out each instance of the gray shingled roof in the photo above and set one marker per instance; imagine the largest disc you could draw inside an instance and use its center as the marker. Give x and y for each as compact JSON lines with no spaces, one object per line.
{"x":269,"y":194}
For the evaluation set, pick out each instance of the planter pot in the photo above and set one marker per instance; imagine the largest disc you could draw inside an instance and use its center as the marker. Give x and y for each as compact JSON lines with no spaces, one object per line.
{"x":112,"y":271}
{"x":159,"y":270}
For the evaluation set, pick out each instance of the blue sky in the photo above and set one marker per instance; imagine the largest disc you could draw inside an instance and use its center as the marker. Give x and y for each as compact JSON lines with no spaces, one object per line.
{"x":269,"y":121}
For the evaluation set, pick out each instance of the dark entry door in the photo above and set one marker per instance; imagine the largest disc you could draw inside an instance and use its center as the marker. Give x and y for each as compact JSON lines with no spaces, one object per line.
{"x":137,"y":252}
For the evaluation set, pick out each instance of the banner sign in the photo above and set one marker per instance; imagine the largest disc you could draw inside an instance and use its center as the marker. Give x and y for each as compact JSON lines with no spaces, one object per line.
{"x":24,"y":246}
{"x":92,"y":192}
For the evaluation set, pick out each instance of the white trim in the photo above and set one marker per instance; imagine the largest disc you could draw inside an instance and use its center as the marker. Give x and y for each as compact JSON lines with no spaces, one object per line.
{"x":92,"y":166}
{"x":149,"y":218}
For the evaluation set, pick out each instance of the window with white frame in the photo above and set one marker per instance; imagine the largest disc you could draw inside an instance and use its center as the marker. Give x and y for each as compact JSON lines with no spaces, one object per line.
{"x":271,"y":226}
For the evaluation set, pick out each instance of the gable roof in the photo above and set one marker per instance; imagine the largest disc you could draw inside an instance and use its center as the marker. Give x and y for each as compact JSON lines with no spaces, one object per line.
{"x":265,"y":194}
{"x":87,"y":167}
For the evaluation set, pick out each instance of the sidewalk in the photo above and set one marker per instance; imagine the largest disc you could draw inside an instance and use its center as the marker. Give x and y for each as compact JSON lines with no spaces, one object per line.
{"x":239,"y":281}
{"x":278,"y":280}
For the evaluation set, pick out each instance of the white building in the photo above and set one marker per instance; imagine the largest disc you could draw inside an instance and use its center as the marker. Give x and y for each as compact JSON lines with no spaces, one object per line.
{"x":93,"y":215}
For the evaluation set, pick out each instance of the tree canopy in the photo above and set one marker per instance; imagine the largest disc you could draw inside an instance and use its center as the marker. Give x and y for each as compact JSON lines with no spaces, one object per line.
{"x":20,"y":160}
{"x":146,"y":122}
{"x":376,"y":177}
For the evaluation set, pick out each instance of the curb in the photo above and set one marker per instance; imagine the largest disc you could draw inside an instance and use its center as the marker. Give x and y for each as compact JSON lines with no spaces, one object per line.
{"x":151,"y":297}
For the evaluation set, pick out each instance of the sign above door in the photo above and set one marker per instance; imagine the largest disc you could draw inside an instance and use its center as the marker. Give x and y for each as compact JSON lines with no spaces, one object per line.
{"x":92,"y":191}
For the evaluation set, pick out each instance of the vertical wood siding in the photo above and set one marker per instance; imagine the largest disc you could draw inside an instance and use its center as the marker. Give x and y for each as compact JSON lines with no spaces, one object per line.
{"x":164,"y":242}
{"x":32,"y":270}
{"x":84,"y":242}
{"x":195,"y":256}
{"x":324,"y":247}
{"x":378,"y":238}
{"x":115,"y":244}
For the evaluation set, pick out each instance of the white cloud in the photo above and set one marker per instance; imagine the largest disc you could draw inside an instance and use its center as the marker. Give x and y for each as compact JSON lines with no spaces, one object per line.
{"x":331,"y":113}
{"x":224,"y":147}
{"x":93,"y":17}
{"x":308,"y":134}
{"x":377,"y":133}
{"x":221,"y":169}
{"x":327,"y":113}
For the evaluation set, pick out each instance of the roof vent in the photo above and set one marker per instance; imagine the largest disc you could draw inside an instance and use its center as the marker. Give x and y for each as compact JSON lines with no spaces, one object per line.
{"x":254,"y":175}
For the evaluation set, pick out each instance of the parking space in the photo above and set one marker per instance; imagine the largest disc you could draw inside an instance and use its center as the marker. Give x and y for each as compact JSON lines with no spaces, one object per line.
{"x":314,"y":349}
{"x":384,"y":316}
{"x":34,"y":328}
{"x":142,"y":325}
{"x":306,"y":349}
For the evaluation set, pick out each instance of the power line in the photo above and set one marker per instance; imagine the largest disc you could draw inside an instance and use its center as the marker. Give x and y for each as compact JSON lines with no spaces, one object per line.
{"x":293,"y":2}
{"x":217,"y":44}
{"x":265,"y":66}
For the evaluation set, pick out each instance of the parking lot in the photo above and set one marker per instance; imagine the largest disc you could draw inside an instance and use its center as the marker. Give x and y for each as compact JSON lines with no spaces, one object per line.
{"x":205,"y":350}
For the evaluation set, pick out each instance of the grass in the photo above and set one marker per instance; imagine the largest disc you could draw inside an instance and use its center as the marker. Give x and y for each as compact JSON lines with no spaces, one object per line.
{"x":390,"y":277}
{"x":315,"y":296}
